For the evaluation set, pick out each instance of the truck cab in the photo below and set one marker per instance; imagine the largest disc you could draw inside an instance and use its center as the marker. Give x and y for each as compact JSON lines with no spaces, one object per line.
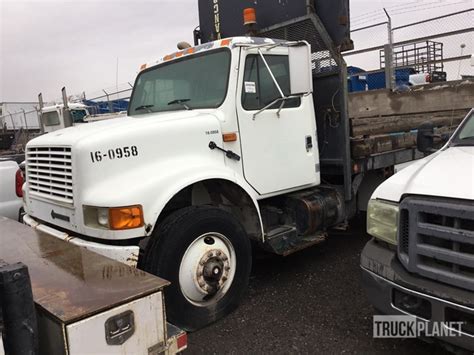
{"x":55,"y":117}
{"x":218,"y":149}
{"x":420,"y":261}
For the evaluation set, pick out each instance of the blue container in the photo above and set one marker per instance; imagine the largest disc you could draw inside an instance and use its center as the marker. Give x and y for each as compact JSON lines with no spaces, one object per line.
{"x":402,"y":76}
{"x":356,"y":82}
{"x":376,"y":80}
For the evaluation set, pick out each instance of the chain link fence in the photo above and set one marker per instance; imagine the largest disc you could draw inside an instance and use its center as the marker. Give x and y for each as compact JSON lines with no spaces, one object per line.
{"x":398,"y":57}
{"x":109,"y":100}
{"x":20,"y":119}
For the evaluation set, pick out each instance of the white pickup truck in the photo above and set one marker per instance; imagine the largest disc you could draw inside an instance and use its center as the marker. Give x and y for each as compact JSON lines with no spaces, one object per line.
{"x":421,"y":259}
{"x":11,"y":182}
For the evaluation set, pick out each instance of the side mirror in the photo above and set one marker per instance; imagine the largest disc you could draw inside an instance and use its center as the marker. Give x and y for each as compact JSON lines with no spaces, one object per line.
{"x":425,"y":138}
{"x":301,"y":78}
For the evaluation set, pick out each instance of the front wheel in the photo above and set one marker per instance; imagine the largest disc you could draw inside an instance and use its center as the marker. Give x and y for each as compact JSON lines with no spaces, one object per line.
{"x":206,"y":255}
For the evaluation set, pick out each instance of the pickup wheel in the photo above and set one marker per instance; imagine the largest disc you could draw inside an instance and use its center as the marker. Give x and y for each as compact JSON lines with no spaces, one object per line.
{"x":206,"y":255}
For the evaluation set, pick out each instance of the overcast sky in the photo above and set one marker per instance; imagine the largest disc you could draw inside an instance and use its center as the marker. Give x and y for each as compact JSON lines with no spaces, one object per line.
{"x":45,"y":45}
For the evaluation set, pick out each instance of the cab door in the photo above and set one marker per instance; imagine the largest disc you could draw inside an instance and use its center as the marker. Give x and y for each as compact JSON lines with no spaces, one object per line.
{"x":278,"y":146}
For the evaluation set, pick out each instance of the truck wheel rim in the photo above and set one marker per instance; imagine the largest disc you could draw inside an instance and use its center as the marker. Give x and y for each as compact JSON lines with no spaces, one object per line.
{"x":207,"y":269}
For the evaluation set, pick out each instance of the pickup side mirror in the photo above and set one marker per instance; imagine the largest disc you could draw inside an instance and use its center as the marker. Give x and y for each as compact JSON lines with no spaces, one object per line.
{"x":301,"y":78}
{"x":425,"y":138}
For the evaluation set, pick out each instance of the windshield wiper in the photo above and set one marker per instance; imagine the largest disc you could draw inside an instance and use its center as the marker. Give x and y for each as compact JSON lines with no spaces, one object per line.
{"x":144,"y":107}
{"x":180,"y":102}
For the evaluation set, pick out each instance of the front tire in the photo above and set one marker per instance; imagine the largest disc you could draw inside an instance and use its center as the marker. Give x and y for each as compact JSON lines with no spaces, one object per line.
{"x":206,"y":255}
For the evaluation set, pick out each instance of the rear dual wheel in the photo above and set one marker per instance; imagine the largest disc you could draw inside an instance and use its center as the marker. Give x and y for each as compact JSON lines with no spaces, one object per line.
{"x":206,"y":255}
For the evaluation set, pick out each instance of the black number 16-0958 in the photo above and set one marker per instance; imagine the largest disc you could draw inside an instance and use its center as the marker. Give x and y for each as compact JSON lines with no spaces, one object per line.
{"x":114,"y":153}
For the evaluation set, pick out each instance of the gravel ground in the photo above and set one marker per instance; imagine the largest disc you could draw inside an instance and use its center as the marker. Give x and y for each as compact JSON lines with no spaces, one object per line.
{"x":309,"y":302}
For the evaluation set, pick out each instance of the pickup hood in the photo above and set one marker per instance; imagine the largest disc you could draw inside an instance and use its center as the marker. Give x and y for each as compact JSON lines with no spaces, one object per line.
{"x":73,"y":135}
{"x":446,"y":173}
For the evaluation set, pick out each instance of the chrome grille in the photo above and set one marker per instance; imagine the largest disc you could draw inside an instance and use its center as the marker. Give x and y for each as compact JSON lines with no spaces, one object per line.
{"x":436,"y":239}
{"x":49,"y":173}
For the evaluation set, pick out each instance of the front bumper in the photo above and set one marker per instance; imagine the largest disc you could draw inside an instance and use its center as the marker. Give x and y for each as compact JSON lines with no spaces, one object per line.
{"x":127,"y":254}
{"x":383,"y":277}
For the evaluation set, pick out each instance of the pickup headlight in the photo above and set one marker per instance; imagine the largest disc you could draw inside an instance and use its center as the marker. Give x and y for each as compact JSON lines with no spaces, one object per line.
{"x":382,"y":220}
{"x":115,"y":218}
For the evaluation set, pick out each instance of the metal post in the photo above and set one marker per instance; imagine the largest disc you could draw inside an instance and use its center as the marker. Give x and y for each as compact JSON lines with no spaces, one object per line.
{"x":13,"y":122}
{"x":67,"y":117}
{"x":38,"y":117}
{"x":111,"y":106}
{"x":26,"y":125}
{"x":39,"y":112}
{"x":388,"y":49}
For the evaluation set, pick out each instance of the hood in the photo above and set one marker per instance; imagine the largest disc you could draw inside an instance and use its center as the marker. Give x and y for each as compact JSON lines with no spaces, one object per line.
{"x":72,"y":135}
{"x":446,"y":173}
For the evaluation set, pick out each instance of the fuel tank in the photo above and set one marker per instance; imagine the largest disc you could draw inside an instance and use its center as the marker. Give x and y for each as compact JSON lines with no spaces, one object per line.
{"x":316,"y":209}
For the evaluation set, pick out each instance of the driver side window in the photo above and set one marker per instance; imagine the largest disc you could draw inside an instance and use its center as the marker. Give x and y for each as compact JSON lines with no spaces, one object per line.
{"x":259,"y":89}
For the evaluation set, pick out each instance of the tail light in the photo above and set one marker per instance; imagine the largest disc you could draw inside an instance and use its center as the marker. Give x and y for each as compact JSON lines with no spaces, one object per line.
{"x":19,"y":183}
{"x":428,"y":78}
{"x":182,"y":341}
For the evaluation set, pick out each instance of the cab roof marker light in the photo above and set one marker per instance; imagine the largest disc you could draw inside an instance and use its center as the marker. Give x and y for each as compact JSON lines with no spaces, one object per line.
{"x":169,"y":56}
{"x":226,"y":42}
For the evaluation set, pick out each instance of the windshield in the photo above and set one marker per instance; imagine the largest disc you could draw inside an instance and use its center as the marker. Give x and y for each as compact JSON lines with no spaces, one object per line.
{"x":78,"y":115}
{"x":199,"y":81}
{"x":465,"y":135}
{"x":50,"y":118}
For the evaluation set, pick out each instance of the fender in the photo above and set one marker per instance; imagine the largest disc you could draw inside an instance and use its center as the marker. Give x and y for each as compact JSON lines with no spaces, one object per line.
{"x":153,"y":192}
{"x":192,"y":177}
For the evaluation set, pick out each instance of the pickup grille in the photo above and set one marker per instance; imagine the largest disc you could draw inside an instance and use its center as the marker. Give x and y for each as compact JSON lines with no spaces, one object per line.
{"x":436,"y":239}
{"x":49,"y":173}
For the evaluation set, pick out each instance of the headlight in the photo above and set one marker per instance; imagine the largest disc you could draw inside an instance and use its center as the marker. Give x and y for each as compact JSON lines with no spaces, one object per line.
{"x":116,"y":218}
{"x":382,"y":220}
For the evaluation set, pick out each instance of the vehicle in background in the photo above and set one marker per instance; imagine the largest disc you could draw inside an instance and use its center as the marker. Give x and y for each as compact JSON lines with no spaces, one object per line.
{"x":68,"y":114}
{"x":420,"y":261}
{"x":55,"y":117}
{"x":11,"y":182}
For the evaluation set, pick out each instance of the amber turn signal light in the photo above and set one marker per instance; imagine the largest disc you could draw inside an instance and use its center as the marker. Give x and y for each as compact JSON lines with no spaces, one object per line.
{"x":229,"y":137}
{"x":126,"y":217}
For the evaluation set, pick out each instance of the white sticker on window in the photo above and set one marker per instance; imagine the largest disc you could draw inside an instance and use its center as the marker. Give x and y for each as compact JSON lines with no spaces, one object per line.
{"x":250,"y":87}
